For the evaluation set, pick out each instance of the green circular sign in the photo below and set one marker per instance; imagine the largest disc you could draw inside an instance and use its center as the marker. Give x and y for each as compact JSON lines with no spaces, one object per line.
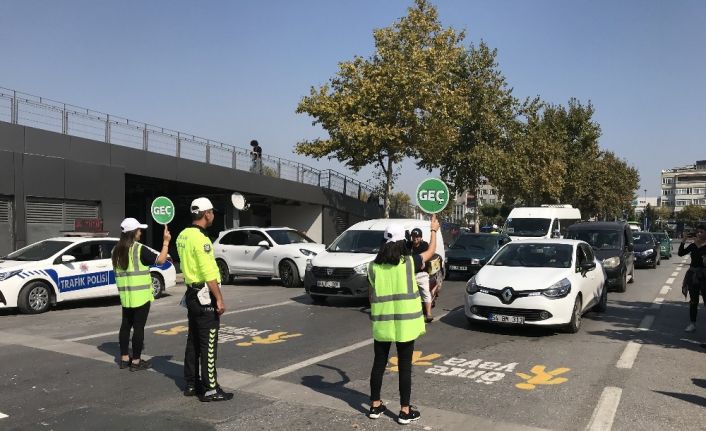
{"x":162,"y":210}
{"x":432,"y":195}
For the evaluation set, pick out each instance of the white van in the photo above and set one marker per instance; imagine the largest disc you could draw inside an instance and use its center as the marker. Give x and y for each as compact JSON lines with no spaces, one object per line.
{"x":547,"y":221}
{"x":342,"y":270}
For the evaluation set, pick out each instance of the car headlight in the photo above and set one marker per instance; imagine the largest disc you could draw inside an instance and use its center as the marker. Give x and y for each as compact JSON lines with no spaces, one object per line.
{"x":647,"y":252}
{"x":361,"y":269}
{"x":472,"y":287}
{"x":5,"y":275}
{"x":308,"y":265}
{"x":306,"y":252}
{"x":611,"y":262}
{"x":558,"y":290}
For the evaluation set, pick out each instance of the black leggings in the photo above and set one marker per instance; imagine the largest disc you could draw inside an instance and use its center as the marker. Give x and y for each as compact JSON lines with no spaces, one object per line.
{"x":695,"y":290}
{"x":135,"y":319}
{"x":404,"y":356}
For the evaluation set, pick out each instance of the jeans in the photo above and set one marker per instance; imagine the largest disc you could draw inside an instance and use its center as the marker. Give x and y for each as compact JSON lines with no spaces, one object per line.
{"x":135,"y":319}
{"x":404,"y":356}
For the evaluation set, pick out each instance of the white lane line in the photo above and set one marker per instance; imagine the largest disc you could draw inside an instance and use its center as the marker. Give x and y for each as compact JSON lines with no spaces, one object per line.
{"x":657,"y":303}
{"x":665,"y":290}
{"x":604,"y":414}
{"x":3,"y":416}
{"x":647,"y":322}
{"x":627,"y":359}
{"x":670,"y":280}
{"x":174,"y":322}
{"x":675,"y":273}
{"x":311,"y":361}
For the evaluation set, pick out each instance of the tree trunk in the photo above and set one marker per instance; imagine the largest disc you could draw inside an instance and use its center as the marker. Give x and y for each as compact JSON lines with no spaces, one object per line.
{"x":388,"y":188}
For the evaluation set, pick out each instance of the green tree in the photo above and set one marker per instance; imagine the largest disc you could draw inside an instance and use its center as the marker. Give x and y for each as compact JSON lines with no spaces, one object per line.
{"x":691,"y":214}
{"x":400,"y":205}
{"x":395,"y":104}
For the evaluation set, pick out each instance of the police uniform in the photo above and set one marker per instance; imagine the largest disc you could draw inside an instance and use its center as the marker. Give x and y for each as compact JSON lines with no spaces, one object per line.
{"x":199,"y":266}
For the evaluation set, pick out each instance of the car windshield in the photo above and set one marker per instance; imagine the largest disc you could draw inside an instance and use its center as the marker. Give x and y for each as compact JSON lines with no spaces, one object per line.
{"x":643,"y":239}
{"x":527,"y":226}
{"x":38,"y":251}
{"x":475,"y":242}
{"x":534,"y":255}
{"x":598,"y":239}
{"x":358,"y":241}
{"x":288,"y":236}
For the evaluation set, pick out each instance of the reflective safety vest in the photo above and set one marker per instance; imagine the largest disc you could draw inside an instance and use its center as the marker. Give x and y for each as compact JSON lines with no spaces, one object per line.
{"x":135,"y":282}
{"x":395,"y":306}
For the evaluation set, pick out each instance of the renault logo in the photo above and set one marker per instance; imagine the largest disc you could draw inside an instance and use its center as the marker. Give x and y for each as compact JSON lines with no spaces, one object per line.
{"x":329,"y":271}
{"x":507,"y":295}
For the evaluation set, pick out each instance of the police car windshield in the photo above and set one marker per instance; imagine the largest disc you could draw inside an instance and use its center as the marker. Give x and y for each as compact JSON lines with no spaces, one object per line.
{"x":534,"y":255}
{"x":527,"y":226}
{"x":358,"y":241}
{"x":286,"y":236}
{"x":39,"y":251}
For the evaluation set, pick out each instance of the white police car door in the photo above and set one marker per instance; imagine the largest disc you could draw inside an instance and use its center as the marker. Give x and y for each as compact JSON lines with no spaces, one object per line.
{"x":89,"y":276}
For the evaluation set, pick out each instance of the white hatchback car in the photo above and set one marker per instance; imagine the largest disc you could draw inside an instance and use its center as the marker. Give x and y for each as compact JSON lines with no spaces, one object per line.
{"x":264,"y":253}
{"x":63,"y":269}
{"x":538,"y":282}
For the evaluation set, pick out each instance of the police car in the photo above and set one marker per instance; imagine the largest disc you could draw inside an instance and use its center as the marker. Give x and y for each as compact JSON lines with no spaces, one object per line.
{"x":63,"y":269}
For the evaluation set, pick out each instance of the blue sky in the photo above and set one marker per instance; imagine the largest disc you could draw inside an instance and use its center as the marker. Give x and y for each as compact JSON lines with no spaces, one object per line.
{"x":235,"y":70}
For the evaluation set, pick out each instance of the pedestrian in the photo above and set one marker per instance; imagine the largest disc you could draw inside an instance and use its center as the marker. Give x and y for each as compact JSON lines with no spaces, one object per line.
{"x":131,"y":263}
{"x":255,"y":157}
{"x":396,"y":314}
{"x":422,"y":276}
{"x":695,"y":278}
{"x":204,"y":304}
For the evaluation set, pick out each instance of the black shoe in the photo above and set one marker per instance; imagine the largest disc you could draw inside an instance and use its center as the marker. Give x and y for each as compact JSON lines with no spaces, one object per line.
{"x":142,"y":365}
{"x":124,"y":364}
{"x":190,"y":391}
{"x":429,"y":319}
{"x":375,"y":412}
{"x":220,"y":395}
{"x":405,"y":418}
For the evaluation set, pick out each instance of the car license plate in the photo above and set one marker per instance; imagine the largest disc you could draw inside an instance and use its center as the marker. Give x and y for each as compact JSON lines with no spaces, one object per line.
{"x":506,"y":319}
{"x":329,"y":283}
{"x":458,"y":268}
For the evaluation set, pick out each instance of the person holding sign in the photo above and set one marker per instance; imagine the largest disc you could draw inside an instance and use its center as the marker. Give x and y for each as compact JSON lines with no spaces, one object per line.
{"x":131,"y":263}
{"x":204,"y":303}
{"x":396,"y":313}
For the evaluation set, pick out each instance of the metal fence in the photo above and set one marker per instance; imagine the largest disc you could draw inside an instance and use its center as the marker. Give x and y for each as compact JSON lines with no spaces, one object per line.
{"x":28,"y":110}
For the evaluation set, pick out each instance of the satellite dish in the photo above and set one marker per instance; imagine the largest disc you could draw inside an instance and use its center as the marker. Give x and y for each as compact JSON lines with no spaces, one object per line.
{"x":238,"y":201}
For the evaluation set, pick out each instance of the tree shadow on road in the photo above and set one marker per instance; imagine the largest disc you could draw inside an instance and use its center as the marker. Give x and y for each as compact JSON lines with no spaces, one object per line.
{"x":162,"y":364}
{"x":690,"y":398}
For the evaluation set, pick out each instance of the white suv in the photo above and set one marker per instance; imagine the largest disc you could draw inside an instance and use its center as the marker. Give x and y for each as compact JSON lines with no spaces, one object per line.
{"x":264,"y":253}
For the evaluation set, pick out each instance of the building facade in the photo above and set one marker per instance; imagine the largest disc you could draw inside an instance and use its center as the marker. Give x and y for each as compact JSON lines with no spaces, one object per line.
{"x":684,"y":186}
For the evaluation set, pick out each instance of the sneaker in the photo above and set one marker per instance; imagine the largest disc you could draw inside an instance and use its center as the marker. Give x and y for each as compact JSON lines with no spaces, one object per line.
{"x":142,"y":365}
{"x":375,"y":412}
{"x":405,"y":418}
{"x":690,"y":328}
{"x":219,"y":395}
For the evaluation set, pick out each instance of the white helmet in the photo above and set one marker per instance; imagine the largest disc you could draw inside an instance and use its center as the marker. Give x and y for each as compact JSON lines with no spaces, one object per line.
{"x":495,"y":226}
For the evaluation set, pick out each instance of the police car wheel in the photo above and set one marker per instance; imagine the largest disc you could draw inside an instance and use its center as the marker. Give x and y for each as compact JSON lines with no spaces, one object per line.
{"x":34,"y":298}
{"x":289,"y":274}
{"x":157,"y":286}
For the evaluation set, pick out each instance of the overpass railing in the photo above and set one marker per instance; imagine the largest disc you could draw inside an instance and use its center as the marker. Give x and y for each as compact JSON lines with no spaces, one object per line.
{"x":34,"y":111}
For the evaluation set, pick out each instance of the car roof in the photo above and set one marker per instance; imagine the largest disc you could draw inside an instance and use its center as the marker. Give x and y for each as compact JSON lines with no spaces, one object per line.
{"x":482,"y":234}
{"x":570,"y":242}
{"x":79,"y":239}
{"x":381,"y":224}
{"x":603,"y":225}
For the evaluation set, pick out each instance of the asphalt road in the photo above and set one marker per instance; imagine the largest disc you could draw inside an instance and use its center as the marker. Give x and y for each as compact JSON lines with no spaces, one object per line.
{"x":295,"y":365}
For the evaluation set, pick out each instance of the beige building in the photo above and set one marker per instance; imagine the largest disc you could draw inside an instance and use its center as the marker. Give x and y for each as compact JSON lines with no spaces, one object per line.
{"x":684,"y":186}
{"x":466,"y":203}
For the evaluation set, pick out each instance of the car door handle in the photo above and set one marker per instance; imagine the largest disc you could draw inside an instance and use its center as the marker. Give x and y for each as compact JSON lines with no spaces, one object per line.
{"x":246,"y":252}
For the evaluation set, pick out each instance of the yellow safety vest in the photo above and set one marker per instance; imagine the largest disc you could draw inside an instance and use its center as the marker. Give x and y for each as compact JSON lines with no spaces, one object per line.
{"x":134,"y":282}
{"x":395,"y":306}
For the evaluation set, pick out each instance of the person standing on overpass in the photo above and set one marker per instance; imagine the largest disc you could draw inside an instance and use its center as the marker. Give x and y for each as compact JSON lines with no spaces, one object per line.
{"x":204,"y":303}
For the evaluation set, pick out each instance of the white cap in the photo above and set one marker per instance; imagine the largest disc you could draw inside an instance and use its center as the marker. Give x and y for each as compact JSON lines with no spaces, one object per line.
{"x":130,"y":224}
{"x":200,"y":204}
{"x":495,"y":226}
{"x":394,"y":233}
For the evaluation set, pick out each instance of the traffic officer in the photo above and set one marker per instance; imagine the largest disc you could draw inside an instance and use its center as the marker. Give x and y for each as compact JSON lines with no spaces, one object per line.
{"x":204,"y":303}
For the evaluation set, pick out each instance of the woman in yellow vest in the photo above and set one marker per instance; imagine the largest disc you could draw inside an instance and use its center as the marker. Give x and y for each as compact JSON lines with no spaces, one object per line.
{"x":396,"y":313}
{"x":131,"y":262}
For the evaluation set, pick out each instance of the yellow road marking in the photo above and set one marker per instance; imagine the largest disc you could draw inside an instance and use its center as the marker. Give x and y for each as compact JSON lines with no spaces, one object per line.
{"x":417,"y":359}
{"x":541,"y":377}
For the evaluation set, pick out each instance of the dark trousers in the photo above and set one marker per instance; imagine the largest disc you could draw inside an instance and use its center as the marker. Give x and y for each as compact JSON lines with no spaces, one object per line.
{"x":404,"y":356}
{"x":695,"y":290}
{"x":201,"y":343}
{"x":135,"y":319}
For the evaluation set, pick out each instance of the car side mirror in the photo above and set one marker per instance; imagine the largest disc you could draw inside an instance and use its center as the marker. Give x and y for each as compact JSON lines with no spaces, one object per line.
{"x":67,"y":258}
{"x":556,"y":234}
{"x":264,"y":244}
{"x":588,"y":266}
